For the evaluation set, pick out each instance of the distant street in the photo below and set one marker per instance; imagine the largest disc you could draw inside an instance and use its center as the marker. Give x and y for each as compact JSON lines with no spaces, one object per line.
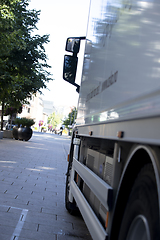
{"x":32,"y":187}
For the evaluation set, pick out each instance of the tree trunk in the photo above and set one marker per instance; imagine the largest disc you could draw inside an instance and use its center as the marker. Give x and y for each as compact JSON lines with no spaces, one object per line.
{"x":11,"y":122}
{"x":2,"y":113}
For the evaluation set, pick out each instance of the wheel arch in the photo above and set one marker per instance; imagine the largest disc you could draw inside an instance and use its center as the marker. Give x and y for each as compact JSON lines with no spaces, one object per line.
{"x":138,"y":158}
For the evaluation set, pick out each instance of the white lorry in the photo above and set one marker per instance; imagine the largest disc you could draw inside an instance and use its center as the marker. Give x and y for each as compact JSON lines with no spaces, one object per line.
{"x":113,"y":175}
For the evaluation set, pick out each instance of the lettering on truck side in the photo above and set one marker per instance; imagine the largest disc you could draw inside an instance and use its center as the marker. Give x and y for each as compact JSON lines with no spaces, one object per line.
{"x":106,"y":84}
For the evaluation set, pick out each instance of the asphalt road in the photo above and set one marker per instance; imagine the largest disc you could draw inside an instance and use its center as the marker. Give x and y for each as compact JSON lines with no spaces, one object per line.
{"x":32,"y":186}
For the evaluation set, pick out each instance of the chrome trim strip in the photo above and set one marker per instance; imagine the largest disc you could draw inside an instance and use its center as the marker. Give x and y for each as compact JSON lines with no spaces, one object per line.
{"x":100,"y":188}
{"x":92,"y":222}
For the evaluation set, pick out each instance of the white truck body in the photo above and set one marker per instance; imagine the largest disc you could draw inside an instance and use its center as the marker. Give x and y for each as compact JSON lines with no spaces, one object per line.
{"x":122,"y":62}
{"x":117,"y":134}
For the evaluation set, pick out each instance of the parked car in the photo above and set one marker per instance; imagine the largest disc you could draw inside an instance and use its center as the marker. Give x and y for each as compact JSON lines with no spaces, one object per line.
{"x":9,"y":126}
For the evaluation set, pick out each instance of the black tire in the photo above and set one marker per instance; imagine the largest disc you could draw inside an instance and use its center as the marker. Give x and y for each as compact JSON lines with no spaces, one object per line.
{"x":71,"y":207}
{"x":141,"y":216}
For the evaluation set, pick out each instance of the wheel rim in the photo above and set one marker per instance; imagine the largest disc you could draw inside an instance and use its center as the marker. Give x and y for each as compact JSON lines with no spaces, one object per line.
{"x":139,"y":229}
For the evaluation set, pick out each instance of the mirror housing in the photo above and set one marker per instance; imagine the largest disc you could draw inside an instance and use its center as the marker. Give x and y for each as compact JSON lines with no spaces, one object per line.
{"x":72,"y":45}
{"x":70,"y":68}
{"x":70,"y":62}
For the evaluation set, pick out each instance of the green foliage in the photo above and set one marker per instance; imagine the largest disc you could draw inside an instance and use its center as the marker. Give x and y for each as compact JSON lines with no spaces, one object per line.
{"x":43,"y":129}
{"x":54,"y":119}
{"x":17,"y":121}
{"x":23,"y":61}
{"x":24,"y":122}
{"x":11,"y":110}
{"x":8,"y":33}
{"x":71,"y":118}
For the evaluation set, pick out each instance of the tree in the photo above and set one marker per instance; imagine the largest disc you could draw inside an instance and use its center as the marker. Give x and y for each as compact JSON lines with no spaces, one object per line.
{"x":8,"y":39}
{"x":54,"y":119}
{"x":70,"y":120}
{"x":23,"y":63}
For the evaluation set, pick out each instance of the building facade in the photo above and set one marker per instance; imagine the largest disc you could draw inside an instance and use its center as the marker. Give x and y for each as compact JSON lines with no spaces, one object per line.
{"x":34,"y":110}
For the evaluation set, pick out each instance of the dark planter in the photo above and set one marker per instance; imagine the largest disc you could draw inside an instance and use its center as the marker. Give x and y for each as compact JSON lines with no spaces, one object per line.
{"x":20,"y":135}
{"x":27,"y":133}
{"x":15,"y":133}
{"x":24,"y":133}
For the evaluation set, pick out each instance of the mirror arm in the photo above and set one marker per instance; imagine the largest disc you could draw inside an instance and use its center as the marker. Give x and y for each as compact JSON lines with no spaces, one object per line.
{"x":75,"y":54}
{"x":76,"y":85}
{"x":82,"y":38}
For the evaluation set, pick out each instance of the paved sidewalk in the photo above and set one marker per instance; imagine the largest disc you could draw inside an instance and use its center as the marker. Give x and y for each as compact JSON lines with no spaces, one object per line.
{"x":32,"y":186}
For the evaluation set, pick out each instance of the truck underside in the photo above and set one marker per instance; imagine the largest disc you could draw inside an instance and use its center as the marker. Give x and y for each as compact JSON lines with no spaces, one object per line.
{"x":114,"y":181}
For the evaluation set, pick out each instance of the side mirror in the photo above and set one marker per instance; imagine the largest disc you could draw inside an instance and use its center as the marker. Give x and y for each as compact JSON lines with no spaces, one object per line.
{"x":73,"y":45}
{"x":70,"y":68}
{"x":70,"y":62}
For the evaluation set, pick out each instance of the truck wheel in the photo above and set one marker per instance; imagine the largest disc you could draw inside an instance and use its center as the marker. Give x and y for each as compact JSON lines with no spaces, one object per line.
{"x":141,"y":216}
{"x":71,"y":207}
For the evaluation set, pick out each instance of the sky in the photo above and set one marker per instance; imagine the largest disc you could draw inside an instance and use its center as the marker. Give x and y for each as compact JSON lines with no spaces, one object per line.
{"x":61,"y":19}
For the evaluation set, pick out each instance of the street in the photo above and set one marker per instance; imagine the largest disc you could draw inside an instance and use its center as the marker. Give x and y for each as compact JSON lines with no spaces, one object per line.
{"x":32,"y":190}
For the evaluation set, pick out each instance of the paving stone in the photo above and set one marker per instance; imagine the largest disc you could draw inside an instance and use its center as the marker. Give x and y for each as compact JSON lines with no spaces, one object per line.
{"x":36,"y":235}
{"x":5,"y":236}
{"x":73,"y":237}
{"x":32,"y":190}
{"x":7,"y":230}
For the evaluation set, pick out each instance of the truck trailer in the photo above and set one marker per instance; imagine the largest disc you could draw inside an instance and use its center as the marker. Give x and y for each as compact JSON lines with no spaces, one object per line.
{"x":113,"y":175}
